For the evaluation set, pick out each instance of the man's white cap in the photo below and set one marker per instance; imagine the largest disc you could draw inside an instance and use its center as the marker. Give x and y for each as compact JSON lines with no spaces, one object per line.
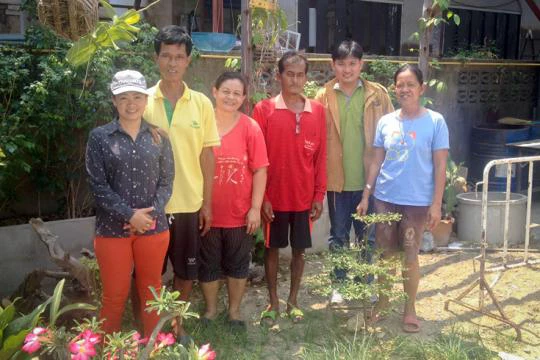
{"x":128,"y":80}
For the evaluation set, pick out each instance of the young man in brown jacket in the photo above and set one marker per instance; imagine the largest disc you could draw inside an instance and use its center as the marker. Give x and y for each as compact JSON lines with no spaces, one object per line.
{"x":353,"y":108}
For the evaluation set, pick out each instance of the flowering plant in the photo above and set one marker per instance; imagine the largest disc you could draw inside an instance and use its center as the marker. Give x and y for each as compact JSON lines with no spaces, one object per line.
{"x":87,"y":341}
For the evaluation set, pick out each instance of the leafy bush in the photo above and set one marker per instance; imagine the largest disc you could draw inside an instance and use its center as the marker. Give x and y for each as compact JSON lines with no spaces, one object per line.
{"x":47,"y":108}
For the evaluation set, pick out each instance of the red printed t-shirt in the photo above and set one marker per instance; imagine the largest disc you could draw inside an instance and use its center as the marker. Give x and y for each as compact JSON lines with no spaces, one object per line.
{"x":242,"y":151}
{"x":296,"y":145}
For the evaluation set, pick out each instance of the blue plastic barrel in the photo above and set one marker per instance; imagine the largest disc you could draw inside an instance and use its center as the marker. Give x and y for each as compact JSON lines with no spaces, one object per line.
{"x":489,"y":143}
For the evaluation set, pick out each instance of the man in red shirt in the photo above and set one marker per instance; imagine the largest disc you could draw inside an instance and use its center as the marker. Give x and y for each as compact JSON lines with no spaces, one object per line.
{"x":294,"y":128}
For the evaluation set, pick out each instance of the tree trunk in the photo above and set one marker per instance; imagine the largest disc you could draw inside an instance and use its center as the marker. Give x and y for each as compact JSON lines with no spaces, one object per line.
{"x":247,"y":52}
{"x":425,"y":38}
{"x":62,"y":258}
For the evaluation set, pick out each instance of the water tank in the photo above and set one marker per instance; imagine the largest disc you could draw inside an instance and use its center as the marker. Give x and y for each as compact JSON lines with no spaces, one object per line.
{"x":489,"y":143}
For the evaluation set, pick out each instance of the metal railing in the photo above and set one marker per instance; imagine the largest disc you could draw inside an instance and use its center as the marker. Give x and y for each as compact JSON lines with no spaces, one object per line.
{"x":484,"y":287}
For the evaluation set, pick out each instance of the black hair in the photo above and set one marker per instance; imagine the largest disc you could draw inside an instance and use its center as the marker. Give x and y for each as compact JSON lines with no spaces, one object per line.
{"x":231,"y":75}
{"x":288,"y":56}
{"x":348,"y":48}
{"x":414,"y":69}
{"x":173,"y":35}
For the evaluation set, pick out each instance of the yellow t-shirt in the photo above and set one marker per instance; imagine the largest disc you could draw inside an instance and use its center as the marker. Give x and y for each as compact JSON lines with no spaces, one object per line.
{"x":192,"y":128}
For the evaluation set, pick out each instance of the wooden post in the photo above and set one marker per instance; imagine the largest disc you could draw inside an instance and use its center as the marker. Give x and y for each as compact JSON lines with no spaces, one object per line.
{"x":247,"y":52}
{"x":425,"y":37}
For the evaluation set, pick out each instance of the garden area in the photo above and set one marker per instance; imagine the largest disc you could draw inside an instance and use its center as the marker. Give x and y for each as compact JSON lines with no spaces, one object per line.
{"x":48,"y":105}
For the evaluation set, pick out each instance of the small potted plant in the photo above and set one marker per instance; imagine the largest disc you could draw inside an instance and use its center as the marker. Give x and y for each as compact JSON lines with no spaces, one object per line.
{"x":455,"y":184}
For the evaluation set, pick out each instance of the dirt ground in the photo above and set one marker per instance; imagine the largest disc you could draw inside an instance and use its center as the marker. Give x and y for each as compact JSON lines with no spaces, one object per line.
{"x":444,"y":276}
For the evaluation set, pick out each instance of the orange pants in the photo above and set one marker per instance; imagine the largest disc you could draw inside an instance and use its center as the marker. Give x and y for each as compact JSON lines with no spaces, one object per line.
{"x":117,"y":257}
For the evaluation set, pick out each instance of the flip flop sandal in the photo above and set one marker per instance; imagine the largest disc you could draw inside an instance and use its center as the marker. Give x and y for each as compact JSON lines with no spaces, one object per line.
{"x":268,"y":317}
{"x":295,"y":314}
{"x":205,"y":322}
{"x":237,"y":325}
{"x":411,"y":324}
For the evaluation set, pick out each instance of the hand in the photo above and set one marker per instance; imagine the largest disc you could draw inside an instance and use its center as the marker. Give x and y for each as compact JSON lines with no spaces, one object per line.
{"x":267,"y":212}
{"x":205,"y":219}
{"x":433,"y":216}
{"x":316,"y":210}
{"x":142,"y":219}
{"x":362,"y":207}
{"x":253,"y":220}
{"x":157,"y":134}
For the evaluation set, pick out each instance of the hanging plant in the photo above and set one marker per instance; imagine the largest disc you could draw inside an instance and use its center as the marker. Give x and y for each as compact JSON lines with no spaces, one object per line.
{"x":107,"y":34}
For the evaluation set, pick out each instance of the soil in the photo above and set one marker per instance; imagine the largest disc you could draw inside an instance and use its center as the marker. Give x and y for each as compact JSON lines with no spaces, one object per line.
{"x":444,"y":277}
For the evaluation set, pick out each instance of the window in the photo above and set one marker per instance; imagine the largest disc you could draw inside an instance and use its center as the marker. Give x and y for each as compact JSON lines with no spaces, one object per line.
{"x":495,"y":31}
{"x":375,"y":25}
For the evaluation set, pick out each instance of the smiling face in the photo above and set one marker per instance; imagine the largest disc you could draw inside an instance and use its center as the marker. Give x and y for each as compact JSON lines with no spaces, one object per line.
{"x":130,"y":105}
{"x":173,"y":61}
{"x":347,"y":70}
{"x":408,"y":89}
{"x":230,"y":95}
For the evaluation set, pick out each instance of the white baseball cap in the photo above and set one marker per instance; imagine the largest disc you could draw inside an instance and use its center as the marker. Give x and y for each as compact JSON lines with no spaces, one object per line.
{"x":128,"y":80}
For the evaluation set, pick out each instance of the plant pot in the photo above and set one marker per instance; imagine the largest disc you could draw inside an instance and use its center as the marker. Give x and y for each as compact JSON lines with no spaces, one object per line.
{"x":442,"y":232}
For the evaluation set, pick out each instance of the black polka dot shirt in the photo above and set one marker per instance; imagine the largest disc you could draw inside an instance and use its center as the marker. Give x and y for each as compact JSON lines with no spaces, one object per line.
{"x":125,"y":175}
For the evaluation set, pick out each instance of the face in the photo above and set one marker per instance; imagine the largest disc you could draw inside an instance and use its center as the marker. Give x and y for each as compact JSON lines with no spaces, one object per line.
{"x":130,"y":105}
{"x":173,"y":61}
{"x":347,"y":71}
{"x":293,"y":77}
{"x":408,"y":88}
{"x":230,"y":95}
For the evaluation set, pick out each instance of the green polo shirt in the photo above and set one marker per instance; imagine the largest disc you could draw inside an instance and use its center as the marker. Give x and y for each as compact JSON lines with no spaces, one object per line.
{"x":351,"y":121}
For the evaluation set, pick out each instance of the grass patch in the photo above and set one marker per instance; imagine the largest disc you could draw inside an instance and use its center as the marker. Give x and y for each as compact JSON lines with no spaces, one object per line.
{"x":445,"y":347}
{"x":360,"y":347}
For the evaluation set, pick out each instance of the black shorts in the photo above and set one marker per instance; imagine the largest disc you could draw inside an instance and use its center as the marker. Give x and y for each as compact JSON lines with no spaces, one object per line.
{"x":184,"y":245}
{"x":225,"y":251}
{"x":277,"y":232}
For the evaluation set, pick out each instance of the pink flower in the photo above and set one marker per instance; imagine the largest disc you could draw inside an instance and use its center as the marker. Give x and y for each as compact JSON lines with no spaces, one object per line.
{"x":90,"y":337}
{"x":82,"y":350}
{"x":205,"y":353}
{"x":32,"y":341}
{"x":165,"y":339}
{"x":137,"y":338}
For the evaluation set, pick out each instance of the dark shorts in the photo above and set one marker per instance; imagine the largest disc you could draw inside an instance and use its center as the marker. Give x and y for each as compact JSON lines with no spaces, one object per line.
{"x":225,"y":251}
{"x":405,"y":234}
{"x":277,"y":232}
{"x":184,"y":245}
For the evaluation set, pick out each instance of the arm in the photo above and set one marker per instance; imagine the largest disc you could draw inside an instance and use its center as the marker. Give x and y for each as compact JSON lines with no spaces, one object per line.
{"x":439,"y":175}
{"x":166,"y":177}
{"x":253,"y":218}
{"x":320,"y":172}
{"x":373,"y":171}
{"x":207,"y":167}
{"x":104,"y":196}
{"x":267,"y":211}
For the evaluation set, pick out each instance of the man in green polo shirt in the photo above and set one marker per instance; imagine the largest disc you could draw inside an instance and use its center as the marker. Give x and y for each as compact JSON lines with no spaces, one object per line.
{"x":353,"y":108}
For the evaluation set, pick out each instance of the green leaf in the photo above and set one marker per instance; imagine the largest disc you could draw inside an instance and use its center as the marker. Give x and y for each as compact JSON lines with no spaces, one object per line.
{"x":13,"y":344}
{"x":55,"y":302}
{"x":109,"y":10}
{"x":82,"y":51}
{"x":415,"y":36}
{"x":441,"y":86}
{"x":26,"y":322}
{"x":457,"y":19}
{"x":449,"y":14}
{"x":228,"y":62}
{"x":432,"y":82}
{"x":6,"y":316}
{"x":77,"y":306}
{"x":130,"y":17}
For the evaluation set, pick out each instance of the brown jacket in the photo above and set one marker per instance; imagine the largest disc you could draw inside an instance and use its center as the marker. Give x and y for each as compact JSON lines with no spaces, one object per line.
{"x":377,"y":104}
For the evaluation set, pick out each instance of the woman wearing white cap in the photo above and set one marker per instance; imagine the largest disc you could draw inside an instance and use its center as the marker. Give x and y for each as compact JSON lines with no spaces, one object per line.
{"x":130,"y":175}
